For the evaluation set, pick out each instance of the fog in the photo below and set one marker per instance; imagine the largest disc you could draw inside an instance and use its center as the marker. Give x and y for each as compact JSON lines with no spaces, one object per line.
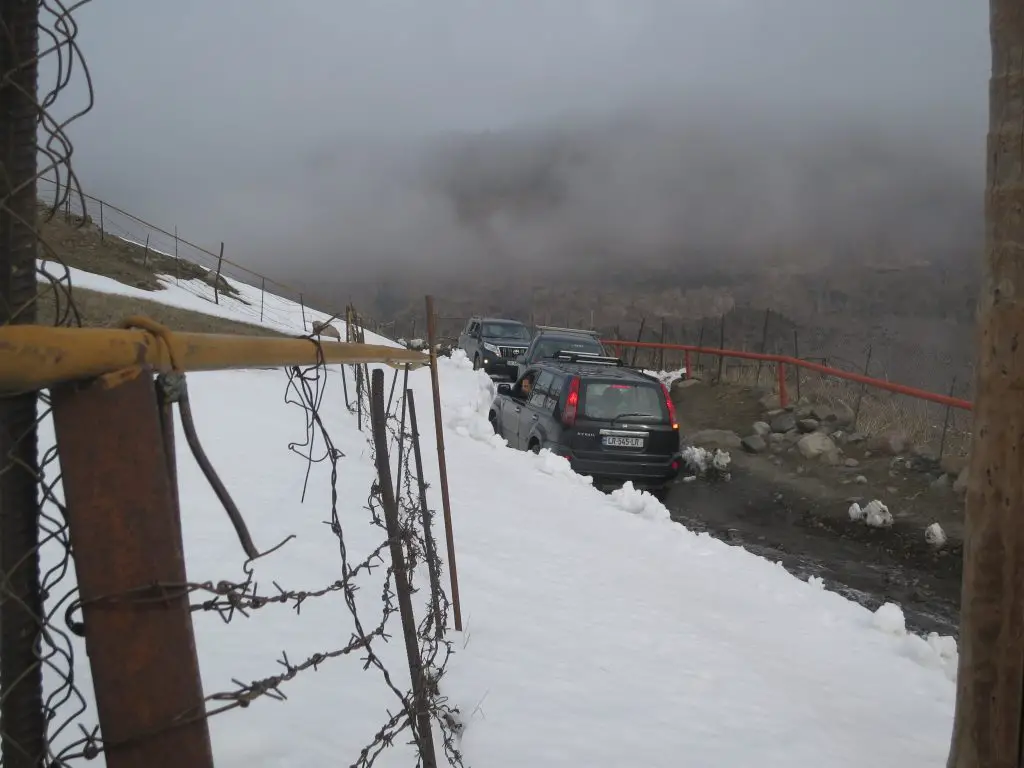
{"x":406,"y":136}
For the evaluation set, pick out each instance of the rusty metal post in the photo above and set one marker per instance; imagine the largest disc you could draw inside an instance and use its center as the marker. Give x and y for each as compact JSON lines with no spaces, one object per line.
{"x":442,"y":466}
{"x":126,"y":536}
{"x":401,"y":430}
{"x":639,"y":336}
{"x":302,"y":306}
{"x":945,"y":421}
{"x":177,"y":262}
{"x":860,"y":394}
{"x":661,"y":352}
{"x":721,"y":345}
{"x":103,"y":235}
{"x":796,"y":356}
{"x":764,"y":346}
{"x":700,"y":344}
{"x":216,"y":279}
{"x":22,"y":739}
{"x":422,"y":728}
{"x":433,"y":564}
{"x":145,"y":256}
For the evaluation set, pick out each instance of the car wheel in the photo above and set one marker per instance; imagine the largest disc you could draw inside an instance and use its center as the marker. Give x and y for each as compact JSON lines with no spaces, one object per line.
{"x":661,"y":494}
{"x":534,"y":447}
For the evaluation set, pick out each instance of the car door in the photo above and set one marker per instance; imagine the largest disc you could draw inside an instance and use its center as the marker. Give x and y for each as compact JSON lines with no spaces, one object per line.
{"x":534,"y":409}
{"x":464,"y":339}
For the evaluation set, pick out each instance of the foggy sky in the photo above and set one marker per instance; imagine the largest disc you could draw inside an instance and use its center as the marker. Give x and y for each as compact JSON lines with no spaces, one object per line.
{"x":319,"y":133}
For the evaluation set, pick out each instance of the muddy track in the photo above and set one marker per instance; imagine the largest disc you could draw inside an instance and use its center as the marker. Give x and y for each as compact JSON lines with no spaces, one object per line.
{"x":870,"y":566}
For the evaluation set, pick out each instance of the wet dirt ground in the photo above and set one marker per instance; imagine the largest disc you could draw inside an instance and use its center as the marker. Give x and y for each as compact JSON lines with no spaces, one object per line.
{"x":870,"y":566}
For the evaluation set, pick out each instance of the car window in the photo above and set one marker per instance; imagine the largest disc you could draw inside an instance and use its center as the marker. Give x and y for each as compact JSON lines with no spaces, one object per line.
{"x":544,"y":381}
{"x":510,"y":331}
{"x":609,"y":400}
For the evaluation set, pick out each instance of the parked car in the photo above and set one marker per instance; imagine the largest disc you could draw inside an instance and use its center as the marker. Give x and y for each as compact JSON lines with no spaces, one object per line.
{"x":611,"y":422}
{"x":493,"y":343}
{"x":549,"y":340}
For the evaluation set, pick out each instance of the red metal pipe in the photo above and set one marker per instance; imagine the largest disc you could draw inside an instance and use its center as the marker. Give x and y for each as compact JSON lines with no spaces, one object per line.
{"x":888,"y":386}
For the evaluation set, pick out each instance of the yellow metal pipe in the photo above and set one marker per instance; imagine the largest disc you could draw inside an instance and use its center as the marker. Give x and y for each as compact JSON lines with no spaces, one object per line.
{"x":35,"y":357}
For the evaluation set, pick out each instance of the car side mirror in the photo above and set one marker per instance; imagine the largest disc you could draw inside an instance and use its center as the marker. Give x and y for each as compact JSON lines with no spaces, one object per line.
{"x":504,"y":389}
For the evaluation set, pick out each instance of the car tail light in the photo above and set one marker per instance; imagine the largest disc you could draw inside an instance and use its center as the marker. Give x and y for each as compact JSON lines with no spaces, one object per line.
{"x":671,"y":407}
{"x":572,"y":402}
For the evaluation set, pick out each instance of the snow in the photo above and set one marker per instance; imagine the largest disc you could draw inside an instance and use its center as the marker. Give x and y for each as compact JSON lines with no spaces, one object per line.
{"x":935,"y":535}
{"x":597,"y":631}
{"x":874,"y":515}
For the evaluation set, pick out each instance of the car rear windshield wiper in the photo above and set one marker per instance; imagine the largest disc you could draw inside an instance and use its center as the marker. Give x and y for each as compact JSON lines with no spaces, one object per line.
{"x":634,"y":415}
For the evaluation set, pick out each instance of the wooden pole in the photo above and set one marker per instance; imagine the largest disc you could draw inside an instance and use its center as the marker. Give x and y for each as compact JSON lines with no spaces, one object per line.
{"x":987,"y":727}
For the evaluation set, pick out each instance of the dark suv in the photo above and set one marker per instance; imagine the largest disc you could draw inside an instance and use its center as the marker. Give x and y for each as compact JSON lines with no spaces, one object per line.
{"x":494,"y":343}
{"x":548,"y":341}
{"x":611,"y":422}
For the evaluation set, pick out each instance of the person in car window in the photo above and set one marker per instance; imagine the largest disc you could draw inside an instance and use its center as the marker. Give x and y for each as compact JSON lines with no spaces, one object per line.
{"x":522,"y":390}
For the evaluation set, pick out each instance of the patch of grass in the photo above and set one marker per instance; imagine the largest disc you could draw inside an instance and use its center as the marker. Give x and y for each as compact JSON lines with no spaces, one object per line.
{"x":80,"y":243}
{"x":104,"y":310}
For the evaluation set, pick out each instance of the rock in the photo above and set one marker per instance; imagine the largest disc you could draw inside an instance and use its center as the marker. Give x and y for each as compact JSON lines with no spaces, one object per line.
{"x":775,"y":412}
{"x":941,"y":483}
{"x":953,"y":464}
{"x":855,"y":437}
{"x":842,"y":414}
{"x":851,"y":463}
{"x":680,"y":384}
{"x":891,"y":443}
{"x":804,"y":401}
{"x":716,"y":438}
{"x":784,"y":422}
{"x":960,"y":486}
{"x":776,"y":438}
{"x":803,"y":412}
{"x":823,"y":413}
{"x":762,"y":428}
{"x":860,"y":480}
{"x":754,"y":444}
{"x":815,"y":444}
{"x":770,"y":402}
{"x":935,"y":536}
{"x":807,"y":425}
{"x":832,"y":458}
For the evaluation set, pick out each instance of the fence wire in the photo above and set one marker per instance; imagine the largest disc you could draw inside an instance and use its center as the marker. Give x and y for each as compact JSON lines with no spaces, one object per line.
{"x":306,"y":388}
{"x":40,"y":700}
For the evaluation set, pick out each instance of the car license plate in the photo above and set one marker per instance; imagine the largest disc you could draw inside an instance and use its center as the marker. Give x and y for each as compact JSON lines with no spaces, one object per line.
{"x":618,"y":441}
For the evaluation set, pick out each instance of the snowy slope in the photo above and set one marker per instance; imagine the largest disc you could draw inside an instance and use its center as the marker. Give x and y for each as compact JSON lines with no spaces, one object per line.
{"x":598,"y":632}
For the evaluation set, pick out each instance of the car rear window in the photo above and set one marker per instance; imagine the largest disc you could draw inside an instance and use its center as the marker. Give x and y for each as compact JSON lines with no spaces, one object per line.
{"x":610,"y":400}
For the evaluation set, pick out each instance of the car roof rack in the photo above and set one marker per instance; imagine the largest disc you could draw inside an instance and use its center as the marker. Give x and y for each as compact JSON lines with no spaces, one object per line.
{"x":568,"y":330}
{"x":586,"y":357}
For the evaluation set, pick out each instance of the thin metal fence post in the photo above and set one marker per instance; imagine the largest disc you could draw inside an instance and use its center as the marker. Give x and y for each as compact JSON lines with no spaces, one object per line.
{"x":764,"y":346}
{"x":661,"y":352}
{"x":700,"y":345}
{"x":263,"y":293}
{"x":442,"y":465}
{"x":721,"y":346}
{"x":796,"y":356}
{"x":103,"y":234}
{"x":149,"y":695}
{"x":22,"y":739}
{"x":401,"y":432}
{"x":945,"y":421}
{"x":639,"y":335}
{"x":860,"y":393}
{"x":302,"y":306}
{"x":177,"y":261}
{"x":422,"y":726}
{"x":216,"y":279}
{"x":145,"y":256}
{"x":433,"y":563}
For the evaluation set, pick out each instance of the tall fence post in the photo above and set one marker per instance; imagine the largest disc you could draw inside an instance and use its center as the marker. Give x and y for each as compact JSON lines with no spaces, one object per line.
{"x":428,"y":535}
{"x":145,"y":256}
{"x":302,"y":306}
{"x":686,"y":365}
{"x":149,"y":695}
{"x":22,"y":739}
{"x":661,"y":352}
{"x":177,"y":262}
{"x":796,"y":356}
{"x":422,"y":731}
{"x":721,"y":345}
{"x":945,"y":420}
{"x":442,"y":465}
{"x":103,"y":235}
{"x":783,"y":392}
{"x":263,"y":293}
{"x":700,"y":342}
{"x":860,"y":393}
{"x":639,"y":335}
{"x":764,"y":346}
{"x":216,"y":279}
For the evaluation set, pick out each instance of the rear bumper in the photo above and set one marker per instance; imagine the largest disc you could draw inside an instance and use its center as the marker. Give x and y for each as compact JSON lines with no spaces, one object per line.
{"x":643,"y":474}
